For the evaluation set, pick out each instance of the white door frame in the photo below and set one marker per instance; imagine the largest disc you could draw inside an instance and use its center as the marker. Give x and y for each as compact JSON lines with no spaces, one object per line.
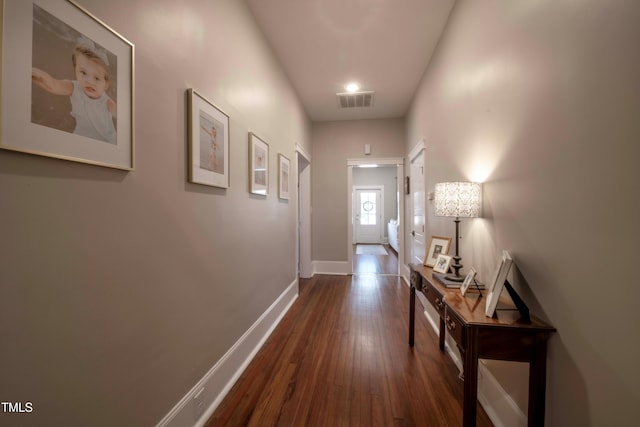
{"x":381,"y":207}
{"x":395,"y":161}
{"x":417,"y":151}
{"x":303,"y":213}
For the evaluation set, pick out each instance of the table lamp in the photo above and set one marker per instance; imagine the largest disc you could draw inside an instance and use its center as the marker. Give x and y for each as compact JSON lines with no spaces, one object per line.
{"x":458,"y":200}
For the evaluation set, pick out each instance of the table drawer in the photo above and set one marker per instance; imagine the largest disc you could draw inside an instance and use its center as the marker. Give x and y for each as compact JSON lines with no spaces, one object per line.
{"x":455,"y":327}
{"x":434,"y":297}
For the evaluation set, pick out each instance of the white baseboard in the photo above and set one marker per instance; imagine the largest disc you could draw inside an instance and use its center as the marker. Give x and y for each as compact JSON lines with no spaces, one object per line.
{"x":405,"y":273}
{"x":215,"y":385}
{"x":406,"y":281}
{"x":499,"y":406}
{"x":496,"y":402}
{"x":339,"y":268}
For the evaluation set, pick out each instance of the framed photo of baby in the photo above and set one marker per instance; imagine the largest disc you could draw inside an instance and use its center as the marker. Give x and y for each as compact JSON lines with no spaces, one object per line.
{"x":78,"y":102}
{"x":208,"y":142}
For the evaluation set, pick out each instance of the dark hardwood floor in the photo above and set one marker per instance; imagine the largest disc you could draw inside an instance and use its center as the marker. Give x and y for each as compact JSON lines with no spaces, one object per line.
{"x":375,"y":264}
{"x":340,"y":357}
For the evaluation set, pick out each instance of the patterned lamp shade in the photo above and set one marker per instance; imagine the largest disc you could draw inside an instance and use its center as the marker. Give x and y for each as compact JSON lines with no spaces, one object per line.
{"x":459,"y":199}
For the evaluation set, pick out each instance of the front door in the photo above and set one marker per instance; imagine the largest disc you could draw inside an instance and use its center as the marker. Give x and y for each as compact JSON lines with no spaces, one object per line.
{"x":368,"y":216}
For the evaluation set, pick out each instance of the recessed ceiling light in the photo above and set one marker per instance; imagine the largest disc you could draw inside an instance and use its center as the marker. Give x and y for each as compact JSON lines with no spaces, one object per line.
{"x":352,"y":87}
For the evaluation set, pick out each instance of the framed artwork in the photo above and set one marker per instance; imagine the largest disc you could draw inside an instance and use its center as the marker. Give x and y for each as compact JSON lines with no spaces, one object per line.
{"x":437,"y":245}
{"x":471,"y":275}
{"x":78,"y":103}
{"x":497,"y":284}
{"x":208,"y":142}
{"x":442,"y":264}
{"x":258,"y":165}
{"x":284,"y":168}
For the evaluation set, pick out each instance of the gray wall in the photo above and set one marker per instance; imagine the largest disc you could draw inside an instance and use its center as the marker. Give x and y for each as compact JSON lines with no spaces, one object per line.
{"x":539,"y":100}
{"x":121,"y":290}
{"x":332,"y":144}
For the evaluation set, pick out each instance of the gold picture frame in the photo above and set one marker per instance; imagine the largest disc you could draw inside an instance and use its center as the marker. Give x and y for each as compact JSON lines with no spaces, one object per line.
{"x":443,"y":262}
{"x":284,"y":176}
{"x":471,"y":276}
{"x":208,"y":142}
{"x":47,"y":114}
{"x":437,"y":245}
{"x":258,"y":165}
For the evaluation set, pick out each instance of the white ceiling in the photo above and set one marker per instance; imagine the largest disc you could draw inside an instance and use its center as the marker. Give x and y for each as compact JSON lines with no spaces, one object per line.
{"x":385,"y":45}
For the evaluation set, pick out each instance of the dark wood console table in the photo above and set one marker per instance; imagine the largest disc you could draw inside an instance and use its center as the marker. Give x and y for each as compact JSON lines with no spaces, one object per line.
{"x":502,"y":337}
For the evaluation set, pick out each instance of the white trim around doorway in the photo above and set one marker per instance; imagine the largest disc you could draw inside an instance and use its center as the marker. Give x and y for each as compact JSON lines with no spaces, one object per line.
{"x":304,"y":264}
{"x":392,"y":161}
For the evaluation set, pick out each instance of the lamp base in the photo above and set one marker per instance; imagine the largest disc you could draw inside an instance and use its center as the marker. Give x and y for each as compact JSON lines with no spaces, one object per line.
{"x":454,"y":278}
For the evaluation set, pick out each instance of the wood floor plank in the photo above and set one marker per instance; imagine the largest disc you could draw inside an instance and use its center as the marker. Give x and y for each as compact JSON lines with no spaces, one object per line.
{"x":340,"y":357}
{"x":375,"y":264}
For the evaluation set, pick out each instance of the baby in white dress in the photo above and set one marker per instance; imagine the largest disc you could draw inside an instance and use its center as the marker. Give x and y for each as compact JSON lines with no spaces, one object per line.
{"x":93,"y":110}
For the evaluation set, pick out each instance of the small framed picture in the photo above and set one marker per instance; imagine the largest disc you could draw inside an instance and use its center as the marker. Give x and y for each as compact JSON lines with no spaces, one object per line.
{"x":48,"y":108}
{"x":208,"y":142}
{"x":437,"y":245}
{"x":442,"y":264}
{"x":284,"y":167}
{"x":498,"y":283}
{"x":471,"y":275}
{"x":258,"y":165}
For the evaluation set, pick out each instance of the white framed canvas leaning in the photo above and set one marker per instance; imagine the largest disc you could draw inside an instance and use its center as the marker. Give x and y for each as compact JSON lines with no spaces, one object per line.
{"x":258,"y":165}
{"x":437,"y":245}
{"x":442,"y":264}
{"x":78,"y":103}
{"x":208,"y":142}
{"x":471,"y":275}
{"x":284,"y":166}
{"x":497,"y":284}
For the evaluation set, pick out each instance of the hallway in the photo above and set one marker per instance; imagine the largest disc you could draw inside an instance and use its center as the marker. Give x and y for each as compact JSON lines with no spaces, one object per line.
{"x":340,"y":357}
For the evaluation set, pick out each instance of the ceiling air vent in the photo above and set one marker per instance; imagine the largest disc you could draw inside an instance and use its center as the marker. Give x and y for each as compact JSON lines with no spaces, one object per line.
{"x":355,"y":99}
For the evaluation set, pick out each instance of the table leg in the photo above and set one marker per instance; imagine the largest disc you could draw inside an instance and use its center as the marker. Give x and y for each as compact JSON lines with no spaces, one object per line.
{"x":412,"y":315}
{"x":537,"y":382}
{"x":469,"y":403}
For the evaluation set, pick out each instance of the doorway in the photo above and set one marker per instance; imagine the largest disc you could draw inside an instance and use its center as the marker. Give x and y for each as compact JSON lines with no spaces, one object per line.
{"x":303,"y":166}
{"x":418,"y":211}
{"x":384,"y":259}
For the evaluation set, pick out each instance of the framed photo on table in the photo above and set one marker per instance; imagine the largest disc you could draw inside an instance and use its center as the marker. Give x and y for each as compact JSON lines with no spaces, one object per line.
{"x":437,"y":245}
{"x":258,"y":165}
{"x":442,"y":264}
{"x":471,"y":275}
{"x":497,"y":284}
{"x":59,"y":112}
{"x":284,"y":168}
{"x":208,"y":142}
